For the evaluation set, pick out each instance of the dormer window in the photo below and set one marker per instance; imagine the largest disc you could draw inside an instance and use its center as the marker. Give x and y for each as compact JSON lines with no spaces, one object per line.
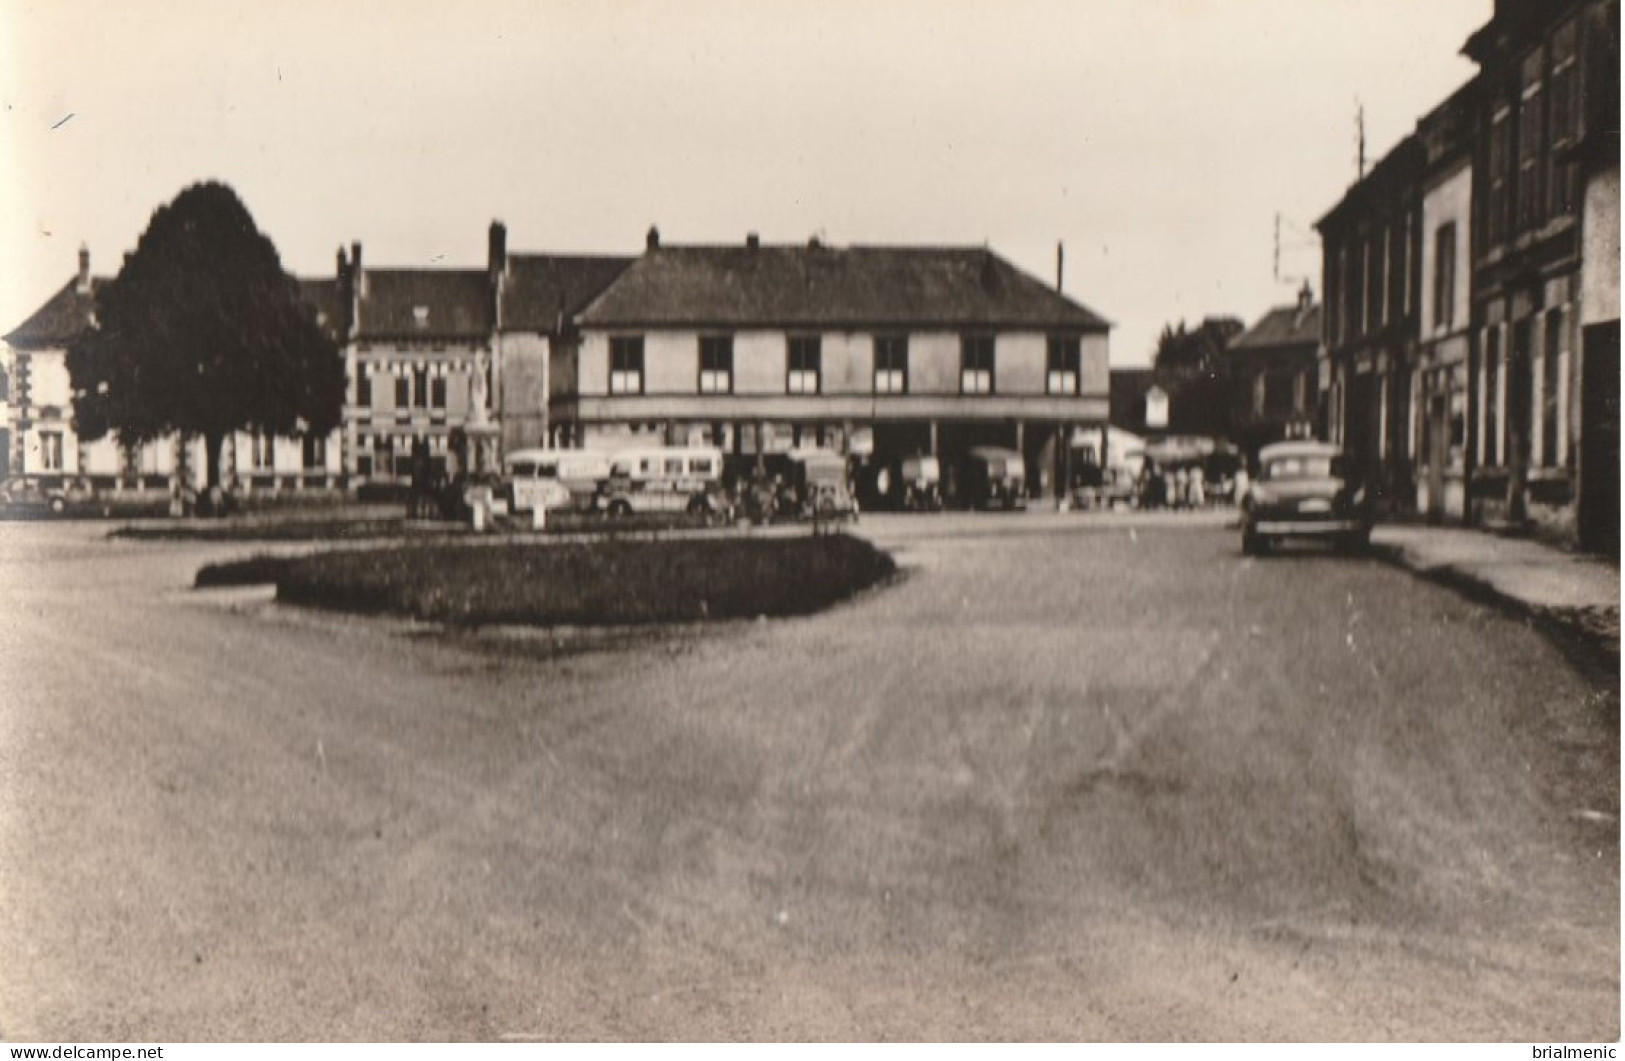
{"x":420,"y":316}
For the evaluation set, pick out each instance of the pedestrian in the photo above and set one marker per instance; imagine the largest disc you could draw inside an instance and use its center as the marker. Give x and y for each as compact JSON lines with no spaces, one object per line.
{"x":1197,"y":488}
{"x":1176,"y":488}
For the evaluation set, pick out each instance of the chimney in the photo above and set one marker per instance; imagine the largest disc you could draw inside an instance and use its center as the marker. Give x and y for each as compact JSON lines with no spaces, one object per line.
{"x":346,"y":291}
{"x":652,"y":240}
{"x":1306,"y":297}
{"x":497,"y":257}
{"x":359,"y":274}
{"x":1060,"y":265}
{"x":752,"y":240}
{"x":82,"y":283}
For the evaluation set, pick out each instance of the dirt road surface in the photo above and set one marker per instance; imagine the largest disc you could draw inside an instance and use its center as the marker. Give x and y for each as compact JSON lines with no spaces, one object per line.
{"x":1070,"y":778}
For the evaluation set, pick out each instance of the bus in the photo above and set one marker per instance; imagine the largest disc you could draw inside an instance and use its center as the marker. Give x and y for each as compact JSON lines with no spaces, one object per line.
{"x":556,"y":479}
{"x":663,"y":479}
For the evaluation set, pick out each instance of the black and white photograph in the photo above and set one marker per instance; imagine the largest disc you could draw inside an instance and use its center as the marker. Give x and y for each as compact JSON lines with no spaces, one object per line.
{"x":1083,"y":521}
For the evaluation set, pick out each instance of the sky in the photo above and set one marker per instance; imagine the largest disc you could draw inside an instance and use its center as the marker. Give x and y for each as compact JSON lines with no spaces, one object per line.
{"x":1157,"y":140}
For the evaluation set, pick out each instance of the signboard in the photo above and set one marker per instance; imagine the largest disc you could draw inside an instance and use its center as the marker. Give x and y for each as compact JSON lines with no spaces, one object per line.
{"x":1156,"y":408}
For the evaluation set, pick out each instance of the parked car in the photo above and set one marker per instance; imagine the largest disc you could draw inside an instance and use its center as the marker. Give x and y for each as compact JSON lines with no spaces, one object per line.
{"x":909,"y":484}
{"x":46,"y":493}
{"x":817,"y":485}
{"x":993,"y":477}
{"x":1304,"y":490}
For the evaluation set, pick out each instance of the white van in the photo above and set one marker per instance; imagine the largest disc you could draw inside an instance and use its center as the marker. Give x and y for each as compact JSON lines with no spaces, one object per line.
{"x":554,"y":478}
{"x":664,"y":479}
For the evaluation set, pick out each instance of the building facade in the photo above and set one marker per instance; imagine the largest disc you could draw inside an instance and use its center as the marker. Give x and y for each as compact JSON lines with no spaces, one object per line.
{"x":874,"y":352}
{"x":38,"y":436}
{"x":1371,"y":246}
{"x":871,"y":352}
{"x":1274,"y":375}
{"x":1545,"y":181}
{"x":456,"y":364}
{"x":1440,"y":385}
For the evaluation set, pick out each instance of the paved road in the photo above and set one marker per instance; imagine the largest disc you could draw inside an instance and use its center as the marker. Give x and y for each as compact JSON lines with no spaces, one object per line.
{"x":1072,"y":777}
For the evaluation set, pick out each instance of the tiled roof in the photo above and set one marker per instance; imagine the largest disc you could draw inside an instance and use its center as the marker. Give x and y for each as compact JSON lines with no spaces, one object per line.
{"x":817,"y":286}
{"x":328,"y":300}
{"x":58,"y":322}
{"x":541,"y":290}
{"x":66,"y":313}
{"x":1283,"y":326}
{"x":425,"y":304}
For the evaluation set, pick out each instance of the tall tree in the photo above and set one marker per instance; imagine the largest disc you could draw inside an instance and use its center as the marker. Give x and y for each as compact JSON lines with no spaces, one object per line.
{"x":1190,"y":367}
{"x":202,"y":332}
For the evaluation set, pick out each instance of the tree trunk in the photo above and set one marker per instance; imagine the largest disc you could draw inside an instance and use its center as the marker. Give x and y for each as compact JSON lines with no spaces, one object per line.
{"x":212,"y":442}
{"x":214,"y":500}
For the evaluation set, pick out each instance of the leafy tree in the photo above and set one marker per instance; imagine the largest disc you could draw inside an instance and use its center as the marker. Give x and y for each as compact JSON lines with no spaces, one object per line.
{"x":202,"y":332}
{"x":1190,"y":366}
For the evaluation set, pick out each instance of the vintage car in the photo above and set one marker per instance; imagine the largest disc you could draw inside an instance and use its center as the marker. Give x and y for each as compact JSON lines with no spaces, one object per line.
{"x":993,"y":477}
{"x":909,"y":484}
{"x":1304,"y":490}
{"x":818,"y":487}
{"x":46,"y":493}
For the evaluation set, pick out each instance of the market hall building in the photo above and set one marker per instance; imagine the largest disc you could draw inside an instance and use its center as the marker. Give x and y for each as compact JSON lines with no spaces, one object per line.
{"x":874,"y":352}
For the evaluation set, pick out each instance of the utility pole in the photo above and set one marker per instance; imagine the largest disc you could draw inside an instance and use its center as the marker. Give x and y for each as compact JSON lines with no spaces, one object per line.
{"x":1359,"y":134}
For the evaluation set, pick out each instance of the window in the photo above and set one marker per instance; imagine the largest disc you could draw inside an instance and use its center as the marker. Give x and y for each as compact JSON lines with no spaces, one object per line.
{"x":1375,"y":259}
{"x":1531,"y":142}
{"x":403,"y":392}
{"x":315,"y":452}
{"x":1064,"y":365}
{"x":1398,"y":303}
{"x":716,"y":364}
{"x":626,"y":365}
{"x":420,"y":388}
{"x":1356,"y":291}
{"x":1280,"y":392}
{"x":1499,"y":202}
{"x":437,"y":392}
{"x":1337,"y":327}
{"x":1492,"y":379}
{"x":50,"y":451}
{"x":976,"y":364}
{"x":363,"y":387}
{"x":261,"y":451}
{"x":891,"y":364}
{"x":806,"y":361}
{"x":5,"y":386}
{"x":1444,"y":277}
{"x":1551,"y":382}
{"x":1560,"y":174}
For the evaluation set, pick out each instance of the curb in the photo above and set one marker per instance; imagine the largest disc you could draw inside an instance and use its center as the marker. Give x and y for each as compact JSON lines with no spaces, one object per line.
{"x":1589,"y":630}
